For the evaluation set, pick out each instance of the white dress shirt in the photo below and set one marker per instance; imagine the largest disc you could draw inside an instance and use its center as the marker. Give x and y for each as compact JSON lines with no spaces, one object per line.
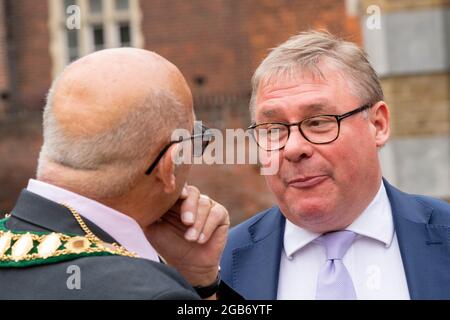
{"x":373,"y":260}
{"x":119,"y":226}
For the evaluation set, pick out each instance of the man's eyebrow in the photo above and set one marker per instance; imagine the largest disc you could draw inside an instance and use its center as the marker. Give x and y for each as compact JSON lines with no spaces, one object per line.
{"x":312,"y":109}
{"x":270,"y":113}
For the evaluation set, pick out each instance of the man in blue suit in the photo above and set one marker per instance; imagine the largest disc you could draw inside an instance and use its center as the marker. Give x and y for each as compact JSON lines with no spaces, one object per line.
{"x":339,"y":231}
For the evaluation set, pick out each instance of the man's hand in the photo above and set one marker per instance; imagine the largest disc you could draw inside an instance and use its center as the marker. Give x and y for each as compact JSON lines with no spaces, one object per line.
{"x":191,"y":236}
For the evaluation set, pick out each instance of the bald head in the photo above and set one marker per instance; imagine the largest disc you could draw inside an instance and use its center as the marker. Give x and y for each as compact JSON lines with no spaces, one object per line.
{"x":98,"y":91}
{"x":109,"y":112}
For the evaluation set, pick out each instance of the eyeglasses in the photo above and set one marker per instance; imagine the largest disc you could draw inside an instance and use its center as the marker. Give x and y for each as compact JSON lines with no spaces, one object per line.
{"x":320,"y":129}
{"x":204,"y":138}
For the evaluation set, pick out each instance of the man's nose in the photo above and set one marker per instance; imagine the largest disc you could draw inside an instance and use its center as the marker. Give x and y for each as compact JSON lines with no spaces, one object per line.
{"x":297,"y":147}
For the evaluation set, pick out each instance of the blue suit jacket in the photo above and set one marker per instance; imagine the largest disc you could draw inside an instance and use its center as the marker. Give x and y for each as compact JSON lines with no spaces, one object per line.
{"x":251,"y":260}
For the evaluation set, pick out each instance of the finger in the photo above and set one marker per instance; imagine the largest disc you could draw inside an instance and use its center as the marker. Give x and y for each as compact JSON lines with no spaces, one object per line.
{"x":204,"y":207}
{"x":184,"y":192}
{"x":218,"y":216}
{"x":189,"y":206}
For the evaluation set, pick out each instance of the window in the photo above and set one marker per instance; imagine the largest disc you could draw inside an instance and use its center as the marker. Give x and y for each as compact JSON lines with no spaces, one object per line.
{"x":122,"y":5}
{"x":124,"y":32}
{"x":95,"y":7}
{"x":97,"y":34}
{"x":72,"y":45}
{"x":103,"y":24}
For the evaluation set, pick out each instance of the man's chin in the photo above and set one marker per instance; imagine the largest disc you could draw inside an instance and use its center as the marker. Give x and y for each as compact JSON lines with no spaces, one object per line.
{"x":311,"y":214}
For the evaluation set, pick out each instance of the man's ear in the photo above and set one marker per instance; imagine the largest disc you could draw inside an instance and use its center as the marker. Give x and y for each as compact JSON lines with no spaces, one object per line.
{"x":165,"y":171}
{"x":380,"y":118}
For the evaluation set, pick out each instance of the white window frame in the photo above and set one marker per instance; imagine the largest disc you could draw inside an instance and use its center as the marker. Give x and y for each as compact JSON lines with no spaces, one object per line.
{"x":110,"y":19}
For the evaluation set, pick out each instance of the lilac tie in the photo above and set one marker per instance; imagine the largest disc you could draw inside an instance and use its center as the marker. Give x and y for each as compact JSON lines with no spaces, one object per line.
{"x":334,"y":281}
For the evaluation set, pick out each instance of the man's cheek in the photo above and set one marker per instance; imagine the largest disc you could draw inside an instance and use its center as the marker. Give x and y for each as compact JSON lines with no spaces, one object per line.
{"x":276,"y":185}
{"x":270,"y":162}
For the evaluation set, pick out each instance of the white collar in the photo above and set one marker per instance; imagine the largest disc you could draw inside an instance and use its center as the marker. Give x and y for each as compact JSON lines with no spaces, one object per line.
{"x":375,"y":222}
{"x":119,"y":226}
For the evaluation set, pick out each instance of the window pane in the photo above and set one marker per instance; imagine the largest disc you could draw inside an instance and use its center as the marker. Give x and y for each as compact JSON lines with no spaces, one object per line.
{"x":97,"y":33}
{"x":72,"y":45}
{"x":73,"y":54}
{"x":95,"y":6}
{"x":122,"y":5}
{"x":72,"y":38}
{"x":124,"y":34}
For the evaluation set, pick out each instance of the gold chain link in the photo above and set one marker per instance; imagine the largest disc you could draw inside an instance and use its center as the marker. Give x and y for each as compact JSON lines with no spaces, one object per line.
{"x":89,"y":234}
{"x":93,"y":238}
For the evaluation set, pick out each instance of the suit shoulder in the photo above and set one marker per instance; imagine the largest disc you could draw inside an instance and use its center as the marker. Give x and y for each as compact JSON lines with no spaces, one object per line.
{"x":433,"y":202}
{"x":401,"y":202}
{"x":441,"y":209}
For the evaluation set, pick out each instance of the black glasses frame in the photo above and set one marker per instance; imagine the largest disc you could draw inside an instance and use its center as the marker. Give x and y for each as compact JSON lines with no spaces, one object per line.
{"x":339,"y":118}
{"x":167,"y":146}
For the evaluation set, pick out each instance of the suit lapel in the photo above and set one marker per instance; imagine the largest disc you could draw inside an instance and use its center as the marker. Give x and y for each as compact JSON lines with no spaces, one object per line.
{"x":424,"y":246}
{"x":256,"y":266}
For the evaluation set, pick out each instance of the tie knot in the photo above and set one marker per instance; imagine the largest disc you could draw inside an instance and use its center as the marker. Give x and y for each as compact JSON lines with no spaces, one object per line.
{"x":337,"y":243}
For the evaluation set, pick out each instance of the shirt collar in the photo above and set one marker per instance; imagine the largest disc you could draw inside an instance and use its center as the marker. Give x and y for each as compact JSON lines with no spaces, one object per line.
{"x":121,"y":227}
{"x":375,"y":222}
{"x":296,"y":238}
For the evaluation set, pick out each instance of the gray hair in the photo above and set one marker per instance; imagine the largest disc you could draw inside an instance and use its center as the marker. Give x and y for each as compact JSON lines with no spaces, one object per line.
{"x":122,"y":152}
{"x":304,"y":51}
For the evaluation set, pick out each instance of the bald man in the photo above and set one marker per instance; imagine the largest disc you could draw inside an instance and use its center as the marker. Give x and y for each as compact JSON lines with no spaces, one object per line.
{"x":109,"y":203}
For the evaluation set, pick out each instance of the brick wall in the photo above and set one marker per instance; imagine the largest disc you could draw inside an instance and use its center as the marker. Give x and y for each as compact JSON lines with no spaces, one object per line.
{"x":4,"y":81}
{"x":218,"y":44}
{"x":420,"y":104}
{"x":205,"y":39}
{"x":20,"y":141}
{"x":29,"y":45}
{"x":270,"y":23}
